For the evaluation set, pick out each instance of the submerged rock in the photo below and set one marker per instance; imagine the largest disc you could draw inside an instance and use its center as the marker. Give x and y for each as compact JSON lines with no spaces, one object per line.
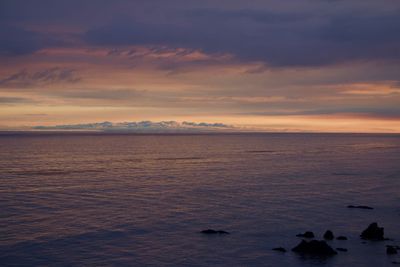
{"x":342,"y":249}
{"x":307,"y":234}
{"x":281,"y":249}
{"x":314,"y":247}
{"x":341,"y":237}
{"x":390,"y":250}
{"x":329,"y":235}
{"x":211,"y":231}
{"x":373,"y":232}
{"x":360,"y":207}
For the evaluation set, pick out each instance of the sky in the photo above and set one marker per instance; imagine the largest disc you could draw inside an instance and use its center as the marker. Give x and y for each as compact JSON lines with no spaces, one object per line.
{"x":270,"y":65}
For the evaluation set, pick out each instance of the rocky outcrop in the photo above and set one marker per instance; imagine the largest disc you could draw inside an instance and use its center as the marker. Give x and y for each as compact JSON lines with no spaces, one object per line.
{"x":281,"y":249}
{"x":373,"y":232}
{"x":329,"y":235}
{"x":360,"y":207}
{"x":314,"y":247}
{"x":211,"y":232}
{"x":307,"y":234}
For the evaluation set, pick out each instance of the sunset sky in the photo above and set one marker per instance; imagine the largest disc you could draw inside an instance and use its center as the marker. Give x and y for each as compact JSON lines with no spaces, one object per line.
{"x":294,"y":65}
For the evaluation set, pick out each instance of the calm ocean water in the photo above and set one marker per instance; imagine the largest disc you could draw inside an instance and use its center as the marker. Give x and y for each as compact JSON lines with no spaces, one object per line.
{"x":140,"y":200}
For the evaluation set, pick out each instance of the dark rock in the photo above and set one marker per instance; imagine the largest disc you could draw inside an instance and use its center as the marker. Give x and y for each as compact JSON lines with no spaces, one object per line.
{"x":360,"y":207}
{"x":341,"y":237}
{"x":314,"y":247}
{"x":307,"y":234}
{"x":373,"y":232}
{"x":390,"y":250}
{"x":281,"y":249}
{"x":328,"y":235}
{"x":396,"y":262}
{"x":342,"y":249}
{"x":211,"y":231}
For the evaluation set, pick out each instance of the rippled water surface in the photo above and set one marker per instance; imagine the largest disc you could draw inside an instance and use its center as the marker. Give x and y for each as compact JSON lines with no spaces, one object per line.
{"x":141,"y":200}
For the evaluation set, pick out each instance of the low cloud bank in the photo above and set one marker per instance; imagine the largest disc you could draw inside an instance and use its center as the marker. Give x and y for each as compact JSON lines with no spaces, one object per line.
{"x":143,"y":126}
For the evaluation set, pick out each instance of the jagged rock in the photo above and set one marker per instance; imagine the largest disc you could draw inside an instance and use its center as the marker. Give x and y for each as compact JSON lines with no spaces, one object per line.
{"x":211,"y":231}
{"x":360,"y":207}
{"x":281,"y":249}
{"x":373,"y":232}
{"x":342,"y":249}
{"x":314,"y":247}
{"x":307,"y":234}
{"x":329,"y":235}
{"x":341,"y":237}
{"x":390,"y":250}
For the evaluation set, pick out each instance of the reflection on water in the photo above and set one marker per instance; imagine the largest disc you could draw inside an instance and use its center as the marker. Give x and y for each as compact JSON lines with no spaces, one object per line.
{"x":141,"y":200}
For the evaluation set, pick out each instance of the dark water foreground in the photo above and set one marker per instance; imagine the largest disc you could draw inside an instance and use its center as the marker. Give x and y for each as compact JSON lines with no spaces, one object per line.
{"x":141,"y":200}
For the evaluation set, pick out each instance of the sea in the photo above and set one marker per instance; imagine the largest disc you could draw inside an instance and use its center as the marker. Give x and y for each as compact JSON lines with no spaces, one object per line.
{"x":122,"y":199}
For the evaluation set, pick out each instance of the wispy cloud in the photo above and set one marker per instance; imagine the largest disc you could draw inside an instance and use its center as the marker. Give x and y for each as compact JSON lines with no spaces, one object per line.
{"x":53,"y":75}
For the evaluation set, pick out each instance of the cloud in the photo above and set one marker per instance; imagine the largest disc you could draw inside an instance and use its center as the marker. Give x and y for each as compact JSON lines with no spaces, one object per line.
{"x":204,"y":124}
{"x":161,"y":57}
{"x":36,"y":114}
{"x":14,"y":100}
{"x":298,"y":33}
{"x":198,"y":58}
{"x":53,"y":75}
{"x":257,"y":16}
{"x":16,"y":41}
{"x":280,"y":39}
{"x":142,"y":126}
{"x":101,"y":94}
{"x":373,"y":112}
